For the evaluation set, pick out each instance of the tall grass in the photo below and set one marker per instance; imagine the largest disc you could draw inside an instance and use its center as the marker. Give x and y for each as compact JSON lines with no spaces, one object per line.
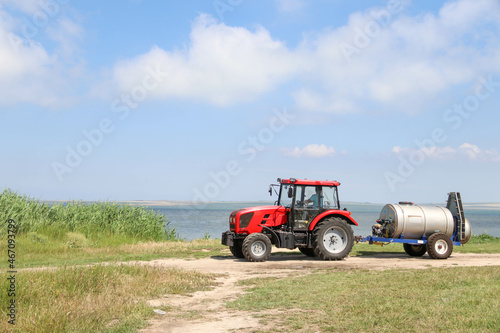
{"x":93,"y":219}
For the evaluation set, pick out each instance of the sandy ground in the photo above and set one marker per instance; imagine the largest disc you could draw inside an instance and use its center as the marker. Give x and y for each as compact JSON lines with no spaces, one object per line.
{"x":205,"y":311}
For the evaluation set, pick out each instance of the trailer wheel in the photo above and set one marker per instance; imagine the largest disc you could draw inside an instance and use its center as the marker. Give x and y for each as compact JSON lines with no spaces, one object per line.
{"x":257,"y":247}
{"x":332,"y":239}
{"x":415,"y":250}
{"x":439,"y":246}
{"x":236,"y":249}
{"x":308,"y":251}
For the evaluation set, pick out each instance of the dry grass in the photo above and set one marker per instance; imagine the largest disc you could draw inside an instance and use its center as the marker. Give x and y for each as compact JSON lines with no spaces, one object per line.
{"x":175,"y":249}
{"x":93,"y":299}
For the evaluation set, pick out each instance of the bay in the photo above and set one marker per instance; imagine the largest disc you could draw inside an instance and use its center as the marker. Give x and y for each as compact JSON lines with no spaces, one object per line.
{"x":194,"y":221}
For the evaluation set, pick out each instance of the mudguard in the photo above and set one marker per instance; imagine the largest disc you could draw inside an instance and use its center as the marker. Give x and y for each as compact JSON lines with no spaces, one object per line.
{"x":333,"y":212}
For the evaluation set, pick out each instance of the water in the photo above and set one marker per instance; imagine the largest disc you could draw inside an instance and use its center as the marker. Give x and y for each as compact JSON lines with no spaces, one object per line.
{"x":198,"y":221}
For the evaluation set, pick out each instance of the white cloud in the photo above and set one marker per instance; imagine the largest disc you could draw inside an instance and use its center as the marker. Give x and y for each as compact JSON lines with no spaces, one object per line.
{"x":382,"y":58}
{"x":473,"y":152}
{"x":313,"y":150}
{"x":25,"y":71}
{"x":222,"y":65}
{"x":466,"y":151}
{"x":29,"y":72}
{"x":400,"y":61}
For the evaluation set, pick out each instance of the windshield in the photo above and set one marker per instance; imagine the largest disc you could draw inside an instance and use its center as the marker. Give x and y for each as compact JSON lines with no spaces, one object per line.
{"x":285,"y":191}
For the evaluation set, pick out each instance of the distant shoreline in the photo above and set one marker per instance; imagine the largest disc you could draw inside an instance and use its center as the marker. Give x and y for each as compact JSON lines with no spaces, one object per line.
{"x":185,"y":203}
{"x":156,"y":202}
{"x":482,"y":206}
{"x":172,"y":203}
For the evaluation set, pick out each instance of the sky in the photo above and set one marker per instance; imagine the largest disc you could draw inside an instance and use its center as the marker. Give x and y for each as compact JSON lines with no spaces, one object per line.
{"x":214,"y":100}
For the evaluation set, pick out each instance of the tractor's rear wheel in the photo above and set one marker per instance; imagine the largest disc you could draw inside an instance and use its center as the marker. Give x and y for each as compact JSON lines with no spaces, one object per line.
{"x":236,"y":249}
{"x":332,"y":239}
{"x":439,"y":246}
{"x":415,"y":250}
{"x":257,"y":247}
{"x":308,"y":251}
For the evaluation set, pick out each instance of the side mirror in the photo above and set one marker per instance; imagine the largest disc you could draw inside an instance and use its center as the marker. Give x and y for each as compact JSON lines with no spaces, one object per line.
{"x":270,"y":190}
{"x":290,"y":192}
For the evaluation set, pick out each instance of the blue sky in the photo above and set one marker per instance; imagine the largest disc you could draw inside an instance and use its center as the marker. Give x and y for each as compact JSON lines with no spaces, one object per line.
{"x":213,"y":100}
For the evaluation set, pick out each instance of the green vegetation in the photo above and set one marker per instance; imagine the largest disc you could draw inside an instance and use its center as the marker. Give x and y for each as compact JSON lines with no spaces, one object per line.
{"x":482,"y":243}
{"x":78,"y":233}
{"x":34,"y":250}
{"x":95,"y":220}
{"x":100,"y":298}
{"x":432,"y":300}
{"x":483,"y":239}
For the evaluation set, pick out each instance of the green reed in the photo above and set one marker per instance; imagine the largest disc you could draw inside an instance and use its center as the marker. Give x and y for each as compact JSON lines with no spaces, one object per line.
{"x":92,"y":219}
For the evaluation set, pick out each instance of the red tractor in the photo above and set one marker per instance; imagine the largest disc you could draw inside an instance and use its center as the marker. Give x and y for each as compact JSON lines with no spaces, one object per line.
{"x":307,"y":216}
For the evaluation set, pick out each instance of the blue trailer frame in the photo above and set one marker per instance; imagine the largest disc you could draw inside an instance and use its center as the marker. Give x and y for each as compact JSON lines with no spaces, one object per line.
{"x":422,"y":241}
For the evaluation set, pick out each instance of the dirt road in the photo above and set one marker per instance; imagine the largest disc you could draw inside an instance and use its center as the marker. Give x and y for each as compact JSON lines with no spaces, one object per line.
{"x":205,"y":311}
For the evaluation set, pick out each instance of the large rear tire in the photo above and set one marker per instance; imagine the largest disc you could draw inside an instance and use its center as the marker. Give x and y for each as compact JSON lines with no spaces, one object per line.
{"x":308,"y":251}
{"x":236,"y":249}
{"x":439,"y":246}
{"x":415,"y":250}
{"x":332,"y":239}
{"x":257,"y":247}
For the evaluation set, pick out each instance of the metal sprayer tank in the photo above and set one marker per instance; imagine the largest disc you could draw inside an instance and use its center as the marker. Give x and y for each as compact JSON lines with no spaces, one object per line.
{"x":415,"y":221}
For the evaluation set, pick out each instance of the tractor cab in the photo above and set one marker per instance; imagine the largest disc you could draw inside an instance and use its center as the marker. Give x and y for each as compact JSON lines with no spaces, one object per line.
{"x":304,"y":200}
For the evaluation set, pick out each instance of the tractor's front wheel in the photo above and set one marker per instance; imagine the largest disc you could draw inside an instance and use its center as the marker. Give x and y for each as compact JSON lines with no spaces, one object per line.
{"x":236,"y":249}
{"x":257,"y":247}
{"x":332,"y":239}
{"x":308,"y":251}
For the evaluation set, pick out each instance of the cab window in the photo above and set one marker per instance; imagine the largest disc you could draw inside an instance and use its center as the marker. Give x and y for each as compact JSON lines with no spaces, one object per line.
{"x":330,"y":197}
